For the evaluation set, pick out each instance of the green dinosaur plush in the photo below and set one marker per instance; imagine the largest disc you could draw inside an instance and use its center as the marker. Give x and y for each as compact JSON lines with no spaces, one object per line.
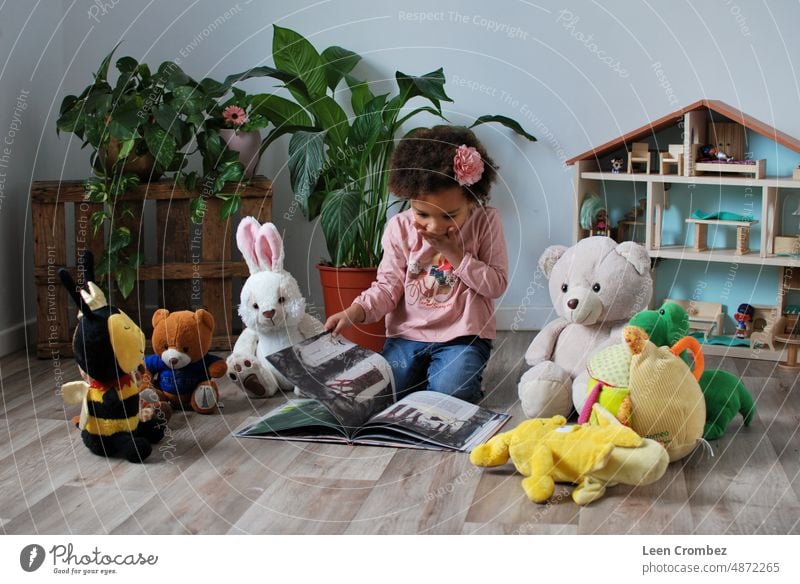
{"x":725,"y":393}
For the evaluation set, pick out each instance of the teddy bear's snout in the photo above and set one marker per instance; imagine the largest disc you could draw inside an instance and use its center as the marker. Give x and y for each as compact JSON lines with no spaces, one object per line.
{"x":572,"y":303}
{"x":268,"y":313}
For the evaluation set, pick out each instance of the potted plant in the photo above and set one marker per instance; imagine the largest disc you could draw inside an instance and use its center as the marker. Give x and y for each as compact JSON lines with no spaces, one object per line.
{"x":140,"y":128}
{"x":339,"y":164}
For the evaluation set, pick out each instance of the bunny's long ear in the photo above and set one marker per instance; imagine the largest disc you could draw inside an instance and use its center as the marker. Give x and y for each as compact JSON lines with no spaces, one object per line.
{"x":246,"y":241}
{"x":269,"y":248}
{"x":72,"y":288}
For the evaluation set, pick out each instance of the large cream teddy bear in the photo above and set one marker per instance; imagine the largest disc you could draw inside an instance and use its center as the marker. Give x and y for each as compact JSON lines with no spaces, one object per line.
{"x":596,"y":286}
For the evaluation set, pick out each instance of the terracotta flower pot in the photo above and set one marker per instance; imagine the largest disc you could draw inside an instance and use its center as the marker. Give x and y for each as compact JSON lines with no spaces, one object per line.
{"x":340,"y":286}
{"x":247,"y":144}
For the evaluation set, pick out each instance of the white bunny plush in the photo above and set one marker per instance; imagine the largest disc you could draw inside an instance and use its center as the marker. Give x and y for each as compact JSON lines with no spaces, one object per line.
{"x":272,"y":309}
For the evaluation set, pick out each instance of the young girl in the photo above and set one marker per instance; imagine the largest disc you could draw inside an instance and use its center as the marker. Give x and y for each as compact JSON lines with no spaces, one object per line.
{"x":444,"y":262}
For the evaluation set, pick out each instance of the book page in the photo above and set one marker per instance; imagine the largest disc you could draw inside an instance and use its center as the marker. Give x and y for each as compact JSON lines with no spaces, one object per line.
{"x":351,"y":381}
{"x":440,"y":418}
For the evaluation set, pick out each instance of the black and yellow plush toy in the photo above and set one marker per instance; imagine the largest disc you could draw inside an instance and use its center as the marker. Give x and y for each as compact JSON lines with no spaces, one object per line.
{"x":108,"y":347}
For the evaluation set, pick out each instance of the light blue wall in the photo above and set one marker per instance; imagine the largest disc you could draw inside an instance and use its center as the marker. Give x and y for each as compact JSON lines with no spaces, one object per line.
{"x":575,"y":78}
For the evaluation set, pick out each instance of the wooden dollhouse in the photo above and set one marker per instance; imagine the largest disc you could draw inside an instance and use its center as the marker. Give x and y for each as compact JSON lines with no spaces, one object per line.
{"x":701,"y":155}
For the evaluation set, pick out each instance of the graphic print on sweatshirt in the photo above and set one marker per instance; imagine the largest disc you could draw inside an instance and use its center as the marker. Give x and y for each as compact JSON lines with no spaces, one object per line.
{"x":430,"y":284}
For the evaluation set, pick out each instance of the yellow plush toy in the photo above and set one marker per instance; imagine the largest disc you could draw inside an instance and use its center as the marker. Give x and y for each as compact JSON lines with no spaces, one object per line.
{"x":650,"y":389}
{"x":547,"y":451}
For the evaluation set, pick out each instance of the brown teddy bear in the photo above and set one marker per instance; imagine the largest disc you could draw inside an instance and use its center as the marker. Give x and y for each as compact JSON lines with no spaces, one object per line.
{"x":182,"y":371}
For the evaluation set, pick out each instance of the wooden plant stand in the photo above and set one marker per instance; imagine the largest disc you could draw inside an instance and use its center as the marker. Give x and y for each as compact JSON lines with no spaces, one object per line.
{"x":791,"y":350}
{"x":742,"y":233}
{"x":194,"y":265}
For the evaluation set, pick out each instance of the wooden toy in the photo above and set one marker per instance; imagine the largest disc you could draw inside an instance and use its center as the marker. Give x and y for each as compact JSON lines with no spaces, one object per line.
{"x":742,"y":233}
{"x":703,"y":316}
{"x":766,"y":334}
{"x":667,"y":237}
{"x":639,"y":154}
{"x":673,"y":156}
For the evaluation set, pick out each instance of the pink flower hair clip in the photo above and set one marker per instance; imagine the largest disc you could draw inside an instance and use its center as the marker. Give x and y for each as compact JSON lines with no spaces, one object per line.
{"x":467,"y":165}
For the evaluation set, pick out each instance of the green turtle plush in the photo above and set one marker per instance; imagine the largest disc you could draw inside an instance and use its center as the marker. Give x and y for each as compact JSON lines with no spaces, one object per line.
{"x":725,"y":394}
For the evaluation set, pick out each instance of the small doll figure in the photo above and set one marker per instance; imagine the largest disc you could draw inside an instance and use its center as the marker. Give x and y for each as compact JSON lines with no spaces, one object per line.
{"x":744,"y":314}
{"x":601,"y":223}
{"x":616,"y":165}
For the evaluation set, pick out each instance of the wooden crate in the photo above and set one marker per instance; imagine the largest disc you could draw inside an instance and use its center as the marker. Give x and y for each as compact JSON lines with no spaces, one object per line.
{"x":193,"y":265}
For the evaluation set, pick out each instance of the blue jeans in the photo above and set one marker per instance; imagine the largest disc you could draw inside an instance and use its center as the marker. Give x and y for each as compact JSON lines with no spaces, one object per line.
{"x":455,"y":367}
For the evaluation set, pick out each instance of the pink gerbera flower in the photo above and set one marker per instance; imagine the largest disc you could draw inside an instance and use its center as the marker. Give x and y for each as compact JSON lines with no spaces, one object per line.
{"x":234,"y":115}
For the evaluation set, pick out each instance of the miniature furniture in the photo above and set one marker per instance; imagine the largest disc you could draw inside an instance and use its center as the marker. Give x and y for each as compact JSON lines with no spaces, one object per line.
{"x":796,"y":173}
{"x":791,"y":342}
{"x":708,"y":128}
{"x":637,"y":231}
{"x":703,"y":316}
{"x":766,"y":336}
{"x":787,"y":245}
{"x":742,"y":233}
{"x":673,"y":156}
{"x":757,"y":168}
{"x":639,"y":154}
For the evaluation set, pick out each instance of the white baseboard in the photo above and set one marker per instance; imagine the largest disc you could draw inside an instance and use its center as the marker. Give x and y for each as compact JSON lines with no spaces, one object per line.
{"x":524,"y":318}
{"x":13,"y":338}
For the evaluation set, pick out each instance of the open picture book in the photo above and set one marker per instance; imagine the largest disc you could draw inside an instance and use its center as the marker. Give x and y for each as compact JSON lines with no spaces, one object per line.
{"x":346,"y":395}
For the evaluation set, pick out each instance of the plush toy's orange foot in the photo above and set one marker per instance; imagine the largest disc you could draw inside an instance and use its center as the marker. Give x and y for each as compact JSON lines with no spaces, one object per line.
{"x":205,"y":399}
{"x":636,"y":338}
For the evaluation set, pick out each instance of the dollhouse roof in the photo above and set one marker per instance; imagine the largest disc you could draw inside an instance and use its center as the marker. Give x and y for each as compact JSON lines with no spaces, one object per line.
{"x":714,"y":105}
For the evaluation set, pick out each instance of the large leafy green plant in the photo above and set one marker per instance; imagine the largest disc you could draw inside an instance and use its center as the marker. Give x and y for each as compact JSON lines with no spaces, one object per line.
{"x":143,"y":126}
{"x":339,"y":163}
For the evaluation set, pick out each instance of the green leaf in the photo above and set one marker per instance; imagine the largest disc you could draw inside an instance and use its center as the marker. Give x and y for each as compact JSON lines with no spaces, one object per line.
{"x":68,"y":121}
{"x":232,"y":172}
{"x":331,"y":117}
{"x":120,"y":239}
{"x":188,"y":100}
{"x":67,"y":103}
{"x":339,"y":221}
{"x":97,"y":219}
{"x":306,"y":159}
{"x":263,"y":71}
{"x":126,"y":148}
{"x":230,"y":207}
{"x":160,"y":144}
{"x":338,"y":63}
{"x":360,"y":93}
{"x":280,"y":111}
{"x":172,"y":76}
{"x":125,"y":120}
{"x":507,"y":122}
{"x":197,"y":209}
{"x":427,"y":109}
{"x":102,"y":72}
{"x":213,"y":88}
{"x":430,"y":85}
{"x":368,"y":125}
{"x":97,"y":102}
{"x":126,"y":279}
{"x":127,"y":65}
{"x":294,"y":54}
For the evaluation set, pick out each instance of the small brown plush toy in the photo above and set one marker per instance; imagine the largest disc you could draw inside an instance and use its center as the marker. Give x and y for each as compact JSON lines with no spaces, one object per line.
{"x":182,"y":371}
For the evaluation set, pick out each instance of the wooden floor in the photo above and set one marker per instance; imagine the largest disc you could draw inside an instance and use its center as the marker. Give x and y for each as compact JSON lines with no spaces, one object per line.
{"x":201,"y":480}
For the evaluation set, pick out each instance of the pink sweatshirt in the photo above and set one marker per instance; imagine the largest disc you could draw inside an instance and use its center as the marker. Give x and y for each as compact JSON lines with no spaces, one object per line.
{"x":423,"y":297}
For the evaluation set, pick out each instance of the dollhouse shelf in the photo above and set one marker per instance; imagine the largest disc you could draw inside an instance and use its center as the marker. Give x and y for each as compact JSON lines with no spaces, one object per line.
{"x":769,"y":181}
{"x":679,"y":252}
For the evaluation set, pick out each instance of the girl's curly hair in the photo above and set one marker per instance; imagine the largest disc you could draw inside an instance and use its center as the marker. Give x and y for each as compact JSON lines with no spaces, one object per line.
{"x":423,"y":163}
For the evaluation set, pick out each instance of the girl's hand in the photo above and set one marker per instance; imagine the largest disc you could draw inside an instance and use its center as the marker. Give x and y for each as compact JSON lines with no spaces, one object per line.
{"x":341,"y":321}
{"x":449,"y":244}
